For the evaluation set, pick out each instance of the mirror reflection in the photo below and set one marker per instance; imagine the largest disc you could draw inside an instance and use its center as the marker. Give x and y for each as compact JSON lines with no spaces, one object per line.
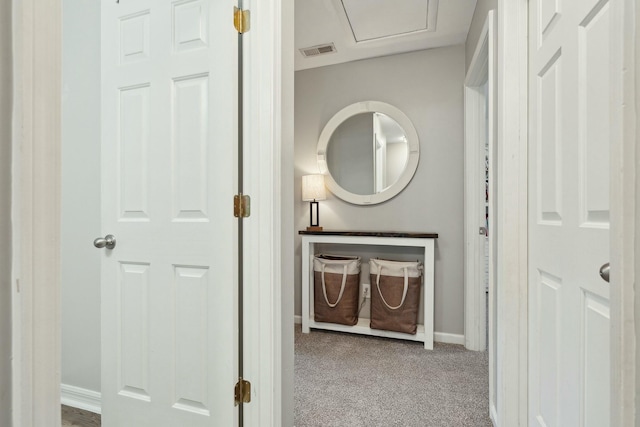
{"x":367,"y":153}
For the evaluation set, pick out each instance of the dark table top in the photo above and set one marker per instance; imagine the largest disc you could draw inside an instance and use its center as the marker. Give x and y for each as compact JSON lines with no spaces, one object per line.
{"x":370,"y":234}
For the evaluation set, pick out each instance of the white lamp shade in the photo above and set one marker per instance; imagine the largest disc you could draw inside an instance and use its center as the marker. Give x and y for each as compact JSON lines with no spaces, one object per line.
{"x":313,"y":188}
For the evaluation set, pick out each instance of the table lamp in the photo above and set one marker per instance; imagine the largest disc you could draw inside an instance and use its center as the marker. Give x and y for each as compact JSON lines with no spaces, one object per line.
{"x":313,"y":189}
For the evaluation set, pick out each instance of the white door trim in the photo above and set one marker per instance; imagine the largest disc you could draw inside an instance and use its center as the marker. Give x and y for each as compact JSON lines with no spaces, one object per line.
{"x":625,"y":222}
{"x":265,"y":87}
{"x":36,"y":211}
{"x":511,"y":214}
{"x":479,"y":116}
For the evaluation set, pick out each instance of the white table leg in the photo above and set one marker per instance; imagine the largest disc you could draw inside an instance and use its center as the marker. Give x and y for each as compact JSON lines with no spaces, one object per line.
{"x":429,"y":303}
{"x":305,"y":285}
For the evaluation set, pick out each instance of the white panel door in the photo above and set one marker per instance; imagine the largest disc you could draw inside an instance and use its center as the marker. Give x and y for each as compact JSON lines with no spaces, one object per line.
{"x":569,"y":92}
{"x":169,"y":300}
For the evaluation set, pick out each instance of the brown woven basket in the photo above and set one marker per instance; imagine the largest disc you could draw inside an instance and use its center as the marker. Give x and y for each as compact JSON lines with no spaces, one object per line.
{"x":395,"y":295}
{"x":336,"y":287}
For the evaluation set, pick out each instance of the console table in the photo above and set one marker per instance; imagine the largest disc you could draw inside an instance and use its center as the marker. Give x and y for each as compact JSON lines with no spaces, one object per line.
{"x":421,"y":240}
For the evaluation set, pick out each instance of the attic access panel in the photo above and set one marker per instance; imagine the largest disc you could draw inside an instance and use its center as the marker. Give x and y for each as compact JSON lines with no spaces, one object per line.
{"x":378,"y":19}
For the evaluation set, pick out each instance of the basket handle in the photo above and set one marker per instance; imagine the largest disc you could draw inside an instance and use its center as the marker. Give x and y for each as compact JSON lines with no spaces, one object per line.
{"x":404,"y":292}
{"x":324,"y":286}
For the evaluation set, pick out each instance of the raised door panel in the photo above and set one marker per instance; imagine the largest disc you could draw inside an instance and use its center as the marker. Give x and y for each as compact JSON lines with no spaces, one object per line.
{"x":132,"y":171}
{"x":190,"y":26}
{"x":191,"y":323}
{"x":190,"y":147}
{"x":133,"y":325}
{"x":595,"y":361}
{"x":549,"y":139}
{"x":134,"y":37}
{"x":545,"y":349}
{"x":548,"y":14}
{"x":594,"y":110}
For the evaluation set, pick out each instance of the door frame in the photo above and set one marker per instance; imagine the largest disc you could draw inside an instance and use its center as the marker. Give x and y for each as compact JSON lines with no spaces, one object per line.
{"x":268,"y":232}
{"x":479,"y":116}
{"x":36,"y":211}
{"x":37,"y":29}
{"x":36,"y":207}
{"x":625,"y":216}
{"x":510,"y":215}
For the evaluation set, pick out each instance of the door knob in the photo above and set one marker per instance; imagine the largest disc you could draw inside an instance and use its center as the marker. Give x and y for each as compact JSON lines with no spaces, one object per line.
{"x":108,"y":241}
{"x":604,"y":272}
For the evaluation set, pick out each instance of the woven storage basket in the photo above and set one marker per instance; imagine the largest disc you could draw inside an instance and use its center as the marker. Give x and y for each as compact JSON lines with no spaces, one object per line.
{"x":395,"y":295}
{"x":336,"y":287}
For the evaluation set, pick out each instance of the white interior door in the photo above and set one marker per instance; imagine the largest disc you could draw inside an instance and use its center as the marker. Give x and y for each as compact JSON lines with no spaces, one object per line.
{"x":169,"y":173}
{"x":569,"y":92}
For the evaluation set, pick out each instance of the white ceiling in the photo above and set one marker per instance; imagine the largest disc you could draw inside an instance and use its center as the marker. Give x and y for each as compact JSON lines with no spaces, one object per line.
{"x":362,"y":29}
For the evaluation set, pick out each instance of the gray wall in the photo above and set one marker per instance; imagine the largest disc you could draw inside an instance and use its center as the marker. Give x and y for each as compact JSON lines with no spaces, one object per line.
{"x":80,"y":262}
{"x":6,"y":87}
{"x":479,"y":16}
{"x":427,"y":87}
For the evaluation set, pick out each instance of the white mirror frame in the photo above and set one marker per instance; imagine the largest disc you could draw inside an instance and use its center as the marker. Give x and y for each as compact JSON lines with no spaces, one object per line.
{"x":412,"y":161}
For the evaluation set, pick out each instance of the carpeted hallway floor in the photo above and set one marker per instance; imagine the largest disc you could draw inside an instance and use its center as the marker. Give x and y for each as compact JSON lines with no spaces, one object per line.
{"x":351,"y":380}
{"x":344,"y":380}
{"x":73,"y":417}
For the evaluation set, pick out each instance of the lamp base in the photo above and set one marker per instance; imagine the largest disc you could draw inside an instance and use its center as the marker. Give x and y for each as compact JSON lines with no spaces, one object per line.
{"x":314,"y":228}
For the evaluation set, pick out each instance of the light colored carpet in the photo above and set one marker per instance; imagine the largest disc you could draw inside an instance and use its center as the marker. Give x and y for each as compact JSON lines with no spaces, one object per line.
{"x":78,"y":418}
{"x":352,"y":380}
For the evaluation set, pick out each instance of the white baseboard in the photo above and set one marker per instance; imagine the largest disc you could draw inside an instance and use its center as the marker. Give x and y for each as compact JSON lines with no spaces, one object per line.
{"x":443,"y":337}
{"x":81,"y":398}
{"x":437,"y":336}
{"x":493,"y":414}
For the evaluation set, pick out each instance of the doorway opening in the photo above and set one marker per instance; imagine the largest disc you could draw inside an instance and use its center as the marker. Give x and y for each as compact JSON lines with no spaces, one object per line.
{"x":426,"y":201}
{"x":480,"y":203}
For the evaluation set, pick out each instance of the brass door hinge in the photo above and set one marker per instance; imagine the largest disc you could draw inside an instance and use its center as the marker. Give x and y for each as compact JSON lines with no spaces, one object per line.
{"x":241,"y":206}
{"x":242,"y":392}
{"x":241,"y":20}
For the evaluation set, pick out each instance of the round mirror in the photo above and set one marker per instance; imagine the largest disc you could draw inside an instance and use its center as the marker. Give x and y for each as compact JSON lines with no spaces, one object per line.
{"x":369,"y":152}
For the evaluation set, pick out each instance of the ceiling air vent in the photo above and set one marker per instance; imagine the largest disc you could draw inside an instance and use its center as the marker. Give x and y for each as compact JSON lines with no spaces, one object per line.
{"x":308,"y":52}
